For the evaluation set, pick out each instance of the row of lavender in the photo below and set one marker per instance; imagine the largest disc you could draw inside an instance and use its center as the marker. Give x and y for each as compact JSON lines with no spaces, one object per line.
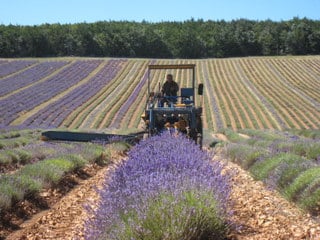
{"x":28,"y":76}
{"x":167,"y":189}
{"x":130,"y":100}
{"x":28,"y":166}
{"x":9,"y":67}
{"x":285,"y":161}
{"x":240,"y":93}
{"x":101,"y":110}
{"x":261,"y":93}
{"x":55,"y":113}
{"x":290,"y":85}
{"x":28,"y":98}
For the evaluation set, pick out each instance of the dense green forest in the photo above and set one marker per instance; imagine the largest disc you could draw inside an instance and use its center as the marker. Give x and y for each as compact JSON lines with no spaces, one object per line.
{"x":188,"y":39}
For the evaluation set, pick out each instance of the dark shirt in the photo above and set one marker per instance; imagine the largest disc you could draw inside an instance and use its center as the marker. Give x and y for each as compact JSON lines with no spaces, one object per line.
{"x":170,"y":88}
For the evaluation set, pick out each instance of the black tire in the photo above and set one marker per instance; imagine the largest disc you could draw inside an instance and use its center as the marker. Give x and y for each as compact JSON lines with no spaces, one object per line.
{"x":199,"y":125}
{"x":199,"y":140}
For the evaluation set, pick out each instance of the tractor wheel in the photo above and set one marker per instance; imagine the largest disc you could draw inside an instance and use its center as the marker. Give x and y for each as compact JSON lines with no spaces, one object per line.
{"x":199,"y":140}
{"x":199,"y":131}
{"x":199,"y":125}
{"x":196,"y":137}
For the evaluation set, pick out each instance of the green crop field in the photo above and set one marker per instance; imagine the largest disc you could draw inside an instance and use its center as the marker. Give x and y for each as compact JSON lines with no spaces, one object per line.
{"x":90,"y":93}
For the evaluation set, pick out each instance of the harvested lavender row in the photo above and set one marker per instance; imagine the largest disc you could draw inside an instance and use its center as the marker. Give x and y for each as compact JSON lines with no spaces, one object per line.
{"x":259,"y":96}
{"x":292,"y":88}
{"x":213,"y":102}
{"x":167,"y":189}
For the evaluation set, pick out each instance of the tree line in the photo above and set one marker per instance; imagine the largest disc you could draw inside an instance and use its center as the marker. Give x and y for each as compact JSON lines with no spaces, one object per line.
{"x":187,"y":39}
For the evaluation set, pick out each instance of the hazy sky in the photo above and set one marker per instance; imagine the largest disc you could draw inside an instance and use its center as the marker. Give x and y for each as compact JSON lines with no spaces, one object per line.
{"x":35,"y":12}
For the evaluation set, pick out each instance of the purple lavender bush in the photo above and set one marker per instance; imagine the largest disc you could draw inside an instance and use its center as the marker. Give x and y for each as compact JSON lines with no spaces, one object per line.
{"x":167,"y":189}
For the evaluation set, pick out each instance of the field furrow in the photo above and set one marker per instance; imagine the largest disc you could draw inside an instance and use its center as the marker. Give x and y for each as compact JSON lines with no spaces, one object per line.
{"x":43,"y":114}
{"x":305,"y":107}
{"x":230,"y":95}
{"x":312,"y":66}
{"x":256,"y":110}
{"x":295,"y":79}
{"x":200,"y":100}
{"x":212,"y":117}
{"x":3,"y":61}
{"x":227,"y":110}
{"x":24,"y":87}
{"x":300,"y":104}
{"x":243,"y":103}
{"x":264,"y":81}
{"x":233,"y":86}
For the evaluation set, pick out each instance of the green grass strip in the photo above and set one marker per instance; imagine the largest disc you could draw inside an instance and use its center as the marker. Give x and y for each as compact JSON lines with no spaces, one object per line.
{"x":302,"y":181}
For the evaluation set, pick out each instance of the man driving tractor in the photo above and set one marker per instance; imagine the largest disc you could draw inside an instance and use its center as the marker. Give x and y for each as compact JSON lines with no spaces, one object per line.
{"x":170,"y":89}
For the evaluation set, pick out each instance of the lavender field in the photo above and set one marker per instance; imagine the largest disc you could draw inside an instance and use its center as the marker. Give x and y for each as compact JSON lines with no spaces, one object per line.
{"x":155,"y":192}
{"x":266,"y":109}
{"x":257,"y":93}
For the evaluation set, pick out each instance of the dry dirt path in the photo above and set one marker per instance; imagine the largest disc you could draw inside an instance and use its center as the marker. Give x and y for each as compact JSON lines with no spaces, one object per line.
{"x":258,"y":213}
{"x":65,"y":219}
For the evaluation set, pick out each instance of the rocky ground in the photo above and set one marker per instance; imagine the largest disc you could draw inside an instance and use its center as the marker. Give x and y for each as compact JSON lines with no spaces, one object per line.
{"x":259,"y":213}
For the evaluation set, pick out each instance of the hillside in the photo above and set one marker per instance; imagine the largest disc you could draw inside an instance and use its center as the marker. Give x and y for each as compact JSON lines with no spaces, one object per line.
{"x":258,"y":93}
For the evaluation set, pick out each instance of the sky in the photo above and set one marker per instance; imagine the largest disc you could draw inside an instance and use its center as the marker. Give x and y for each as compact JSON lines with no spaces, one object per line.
{"x":37,"y":12}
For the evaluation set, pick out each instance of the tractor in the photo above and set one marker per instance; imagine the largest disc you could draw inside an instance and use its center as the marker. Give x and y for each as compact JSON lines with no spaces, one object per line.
{"x":179,"y":114}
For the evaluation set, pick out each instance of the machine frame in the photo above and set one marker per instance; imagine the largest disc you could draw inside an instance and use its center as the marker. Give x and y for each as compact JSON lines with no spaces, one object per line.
{"x":158,"y":118}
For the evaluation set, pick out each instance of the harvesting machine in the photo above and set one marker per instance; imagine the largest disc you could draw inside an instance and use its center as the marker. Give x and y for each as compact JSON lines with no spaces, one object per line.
{"x":178,"y":114}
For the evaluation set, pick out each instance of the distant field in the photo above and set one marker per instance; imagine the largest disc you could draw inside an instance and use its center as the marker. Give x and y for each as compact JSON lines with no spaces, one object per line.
{"x":256,"y":93}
